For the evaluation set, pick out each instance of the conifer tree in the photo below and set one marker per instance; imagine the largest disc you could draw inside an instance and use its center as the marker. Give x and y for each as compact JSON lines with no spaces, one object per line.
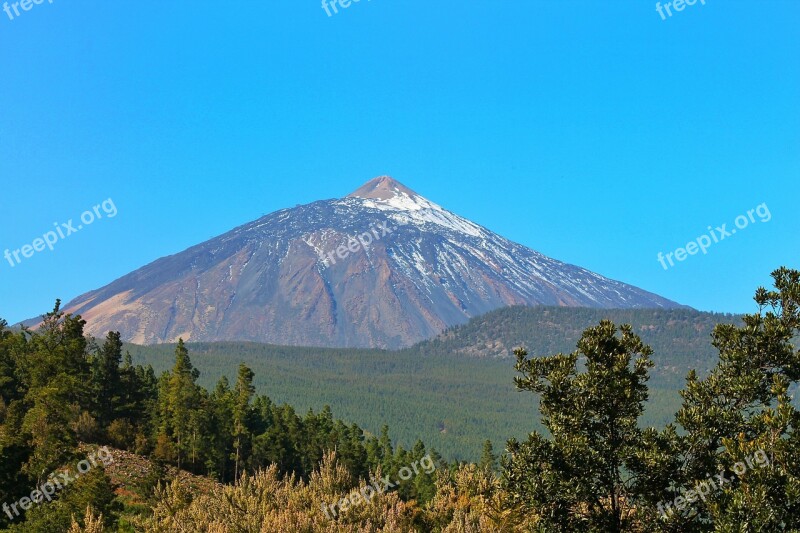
{"x":242,"y":393}
{"x":57,"y":377}
{"x":488,"y":458}
{"x":106,"y":378}
{"x":182,"y":398}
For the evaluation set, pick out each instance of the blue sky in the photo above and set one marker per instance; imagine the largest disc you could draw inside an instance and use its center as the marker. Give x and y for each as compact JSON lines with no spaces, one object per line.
{"x":594,"y":132}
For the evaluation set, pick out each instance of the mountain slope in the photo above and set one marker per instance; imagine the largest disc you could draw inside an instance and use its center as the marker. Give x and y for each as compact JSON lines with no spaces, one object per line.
{"x":436,"y":390}
{"x":680,"y":338}
{"x":382,"y":267}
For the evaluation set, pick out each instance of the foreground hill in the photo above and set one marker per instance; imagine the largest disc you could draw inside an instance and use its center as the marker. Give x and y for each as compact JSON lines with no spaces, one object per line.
{"x":434,"y":391}
{"x":383,"y":267}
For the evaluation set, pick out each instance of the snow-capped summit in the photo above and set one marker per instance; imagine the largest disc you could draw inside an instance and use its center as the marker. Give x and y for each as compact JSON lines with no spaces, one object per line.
{"x":383,"y":188}
{"x":381,"y":267}
{"x":385,"y":192}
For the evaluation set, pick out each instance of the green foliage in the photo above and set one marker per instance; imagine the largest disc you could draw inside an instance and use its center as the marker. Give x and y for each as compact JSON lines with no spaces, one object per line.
{"x":93,"y":490}
{"x":242,"y":394}
{"x":417,"y":390}
{"x":106,"y":377}
{"x":58,"y":389}
{"x":180,"y":414}
{"x":420,"y":397}
{"x":593,"y":465}
{"x":679,"y":337}
{"x":728,"y":463}
{"x":743,"y":410}
{"x":156,"y":476}
{"x":488,"y":458}
{"x":579,"y":480}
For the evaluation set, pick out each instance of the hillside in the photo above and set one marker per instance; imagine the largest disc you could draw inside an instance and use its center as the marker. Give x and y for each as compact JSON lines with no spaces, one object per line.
{"x":680,"y":337}
{"x":435,"y":392}
{"x":452,"y":403}
{"x":134,"y":477}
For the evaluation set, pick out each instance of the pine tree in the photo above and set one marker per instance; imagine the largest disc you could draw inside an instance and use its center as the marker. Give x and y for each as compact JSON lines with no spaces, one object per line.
{"x":488,"y":458}
{"x":182,"y":398}
{"x":222,"y":406}
{"x":242,"y":393}
{"x":57,"y":377}
{"x":106,"y":379}
{"x":387,"y":452}
{"x":93,"y":489}
{"x":10,"y":386}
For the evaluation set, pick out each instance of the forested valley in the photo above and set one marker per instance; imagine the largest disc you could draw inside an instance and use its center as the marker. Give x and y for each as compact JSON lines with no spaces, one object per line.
{"x":225,"y":458}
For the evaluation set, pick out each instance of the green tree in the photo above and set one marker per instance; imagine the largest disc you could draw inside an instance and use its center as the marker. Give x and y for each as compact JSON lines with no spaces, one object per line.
{"x":57,"y":376}
{"x":106,"y":379}
{"x":740,"y":413}
{"x":94,"y":489}
{"x":386,"y":450}
{"x":181,"y":398}
{"x":221,"y":446}
{"x":10,"y":385}
{"x":137,"y":407}
{"x":243,"y":392}
{"x":488,"y":458}
{"x":581,"y":479}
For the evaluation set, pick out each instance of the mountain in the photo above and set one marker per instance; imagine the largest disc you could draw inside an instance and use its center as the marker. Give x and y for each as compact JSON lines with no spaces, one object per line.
{"x":382,"y":267}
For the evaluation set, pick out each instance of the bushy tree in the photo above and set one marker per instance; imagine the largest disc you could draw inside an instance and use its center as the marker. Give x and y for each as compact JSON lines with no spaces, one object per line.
{"x":94,"y":490}
{"x":740,"y":413}
{"x":56,"y":376}
{"x":581,"y":477}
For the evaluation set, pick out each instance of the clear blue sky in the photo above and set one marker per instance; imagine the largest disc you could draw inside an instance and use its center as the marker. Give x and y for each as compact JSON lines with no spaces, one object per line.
{"x":592,"y":131}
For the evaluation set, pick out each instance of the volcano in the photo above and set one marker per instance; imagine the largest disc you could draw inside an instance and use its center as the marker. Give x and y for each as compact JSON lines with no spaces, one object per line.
{"x":381,"y":268}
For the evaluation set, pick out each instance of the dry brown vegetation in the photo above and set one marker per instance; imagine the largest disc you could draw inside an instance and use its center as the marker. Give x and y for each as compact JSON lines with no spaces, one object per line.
{"x":468,"y":500}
